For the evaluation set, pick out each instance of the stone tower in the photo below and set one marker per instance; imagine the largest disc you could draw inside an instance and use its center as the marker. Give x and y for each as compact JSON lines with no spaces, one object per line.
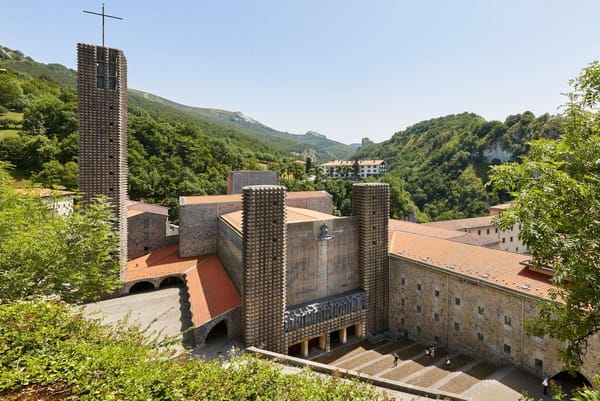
{"x":102,"y":115}
{"x":264,"y":234}
{"x":371,"y":208}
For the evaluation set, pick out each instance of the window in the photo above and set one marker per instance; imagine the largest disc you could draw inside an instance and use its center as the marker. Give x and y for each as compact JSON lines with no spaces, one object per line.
{"x":457,"y":301}
{"x":539,"y":364}
{"x":517,"y":250}
{"x":511,"y":239}
{"x":456,"y":326}
{"x":418,"y":308}
{"x":112,"y":70}
{"x":507,"y":320}
{"x":418,"y":286}
{"x":480,"y":309}
{"x":436,"y":317}
{"x":496,"y":230}
{"x":402,"y":301}
{"x":478,"y":232}
{"x":436,"y":293}
{"x":480,"y":337}
{"x":503,"y":240}
{"x":506,"y":349}
{"x":146,"y":249}
{"x":402,"y":281}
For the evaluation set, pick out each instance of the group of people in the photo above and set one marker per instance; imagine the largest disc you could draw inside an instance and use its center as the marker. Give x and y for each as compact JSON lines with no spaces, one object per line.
{"x":429,"y":352}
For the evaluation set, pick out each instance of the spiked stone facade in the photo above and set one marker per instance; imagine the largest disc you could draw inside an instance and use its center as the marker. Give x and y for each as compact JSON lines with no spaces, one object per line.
{"x":264,"y":249}
{"x":370,"y":205}
{"x":102,"y":115}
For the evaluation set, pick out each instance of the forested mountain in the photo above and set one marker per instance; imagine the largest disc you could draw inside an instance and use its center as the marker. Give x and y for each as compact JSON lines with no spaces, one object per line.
{"x":318,"y":145}
{"x":442,"y":163}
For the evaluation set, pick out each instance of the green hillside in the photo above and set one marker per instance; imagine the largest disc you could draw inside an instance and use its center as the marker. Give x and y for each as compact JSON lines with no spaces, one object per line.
{"x":443,"y":162}
{"x":309,"y":144}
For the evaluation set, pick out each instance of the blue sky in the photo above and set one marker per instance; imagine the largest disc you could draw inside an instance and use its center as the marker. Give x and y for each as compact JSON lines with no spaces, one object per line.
{"x":348,"y":69}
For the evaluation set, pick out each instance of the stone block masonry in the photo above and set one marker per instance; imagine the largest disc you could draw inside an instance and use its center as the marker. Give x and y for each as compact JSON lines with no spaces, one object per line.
{"x":370,"y":207}
{"x":264,"y":256}
{"x":102,"y":116}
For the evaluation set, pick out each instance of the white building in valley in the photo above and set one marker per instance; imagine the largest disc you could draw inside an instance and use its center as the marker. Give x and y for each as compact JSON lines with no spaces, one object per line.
{"x":346,"y":168}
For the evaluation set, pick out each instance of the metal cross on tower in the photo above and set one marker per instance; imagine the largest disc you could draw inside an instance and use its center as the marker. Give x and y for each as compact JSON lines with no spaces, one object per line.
{"x":102,"y":15}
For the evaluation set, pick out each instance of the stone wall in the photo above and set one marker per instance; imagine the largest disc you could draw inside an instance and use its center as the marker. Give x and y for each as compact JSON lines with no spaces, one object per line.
{"x":321,"y":268}
{"x":323,"y":204}
{"x":147,"y":232}
{"x":229,"y":250}
{"x":232,"y":318}
{"x":198,"y":226}
{"x":236,"y":180}
{"x":471,"y":316}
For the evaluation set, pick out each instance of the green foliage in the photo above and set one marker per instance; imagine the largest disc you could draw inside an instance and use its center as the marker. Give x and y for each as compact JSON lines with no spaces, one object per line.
{"x":49,"y":344}
{"x":44,"y":254}
{"x":10,"y":91}
{"x":50,"y":116}
{"x":442,"y":163}
{"x":557,"y":203}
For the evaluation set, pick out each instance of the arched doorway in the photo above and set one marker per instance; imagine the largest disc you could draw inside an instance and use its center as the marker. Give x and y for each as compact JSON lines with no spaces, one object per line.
{"x":569,"y":383}
{"x":217,"y":334}
{"x":142,"y":286}
{"x":172,"y":281}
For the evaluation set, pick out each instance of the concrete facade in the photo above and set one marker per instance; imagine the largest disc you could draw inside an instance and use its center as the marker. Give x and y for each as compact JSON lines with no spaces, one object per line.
{"x":236,"y":180}
{"x":102,"y":117}
{"x":320,"y":269}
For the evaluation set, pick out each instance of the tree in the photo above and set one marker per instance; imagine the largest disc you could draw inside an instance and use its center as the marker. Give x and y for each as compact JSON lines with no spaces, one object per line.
{"x":43,"y":253}
{"x":308,"y":165}
{"x":10,"y":91}
{"x":557,"y":202}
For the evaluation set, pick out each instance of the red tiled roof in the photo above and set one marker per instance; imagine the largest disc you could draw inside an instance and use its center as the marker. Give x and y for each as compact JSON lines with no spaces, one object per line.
{"x":499,"y":268}
{"x":210,"y":290}
{"x":443,"y":233}
{"x":462,"y":224}
{"x":292,"y":215}
{"x":146,"y":208}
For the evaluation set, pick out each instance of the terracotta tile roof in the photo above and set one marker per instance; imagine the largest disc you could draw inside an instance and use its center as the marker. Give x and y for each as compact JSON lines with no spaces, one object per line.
{"x":462,"y":224}
{"x":502,"y":206}
{"x":443,"y":233}
{"x":292,"y":214}
{"x":208,"y":199}
{"x":147,"y":208}
{"x":210,"y":290}
{"x":498,"y":268}
{"x":131,"y":213}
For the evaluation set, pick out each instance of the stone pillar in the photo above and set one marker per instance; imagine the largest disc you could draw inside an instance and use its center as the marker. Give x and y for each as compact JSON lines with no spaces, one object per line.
{"x":371,"y":208}
{"x":264,"y":236}
{"x":323,"y":342}
{"x":358,"y":330}
{"x":343,"y":335}
{"x":304,"y":349}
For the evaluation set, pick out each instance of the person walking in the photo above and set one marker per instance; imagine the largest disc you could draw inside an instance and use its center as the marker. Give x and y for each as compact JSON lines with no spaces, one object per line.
{"x":545,"y":385}
{"x":427,"y":352}
{"x":432,"y":352}
{"x":448,"y":363}
{"x":396,"y":357}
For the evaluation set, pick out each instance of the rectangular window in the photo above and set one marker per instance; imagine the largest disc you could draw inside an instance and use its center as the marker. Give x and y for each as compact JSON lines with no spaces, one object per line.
{"x":507,"y":320}
{"x":402,"y":281}
{"x":402,"y":301}
{"x":480,"y":309}
{"x":418,"y":308}
{"x":457,"y":301}
{"x":437,"y":293}
{"x":503,"y":240}
{"x":496,"y":230}
{"x":511,"y":239}
{"x":539,"y":364}
{"x":418,"y":286}
{"x":478,"y":232}
{"x":488,"y":231}
{"x":507,"y":349}
{"x":436,"y":317}
{"x":456,"y":326}
{"x":480,"y":337}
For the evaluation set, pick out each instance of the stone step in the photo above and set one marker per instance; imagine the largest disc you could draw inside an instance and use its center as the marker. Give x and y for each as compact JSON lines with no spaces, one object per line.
{"x":491,"y":379}
{"x":387,"y":356}
{"x":453,"y":374}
